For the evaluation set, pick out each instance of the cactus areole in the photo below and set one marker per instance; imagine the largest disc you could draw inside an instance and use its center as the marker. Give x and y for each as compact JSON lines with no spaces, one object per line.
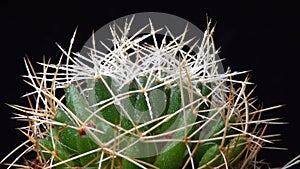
{"x":146,"y":91}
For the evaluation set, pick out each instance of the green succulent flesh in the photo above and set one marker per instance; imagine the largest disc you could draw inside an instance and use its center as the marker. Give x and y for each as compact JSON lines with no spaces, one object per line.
{"x":93,"y":122}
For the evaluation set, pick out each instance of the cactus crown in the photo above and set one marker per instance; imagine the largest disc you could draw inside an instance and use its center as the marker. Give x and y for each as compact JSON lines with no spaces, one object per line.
{"x":149,"y":102}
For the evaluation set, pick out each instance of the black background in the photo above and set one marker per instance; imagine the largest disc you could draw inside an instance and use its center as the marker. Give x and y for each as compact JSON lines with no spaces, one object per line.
{"x":257,"y":36}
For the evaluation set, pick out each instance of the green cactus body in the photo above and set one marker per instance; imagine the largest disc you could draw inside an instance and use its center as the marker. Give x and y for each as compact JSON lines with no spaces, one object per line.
{"x":172,"y":154}
{"x":213,"y":158}
{"x":57,"y":148}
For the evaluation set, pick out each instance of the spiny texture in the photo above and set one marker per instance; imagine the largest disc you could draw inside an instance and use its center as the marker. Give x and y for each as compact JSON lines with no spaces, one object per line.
{"x":148,"y":102}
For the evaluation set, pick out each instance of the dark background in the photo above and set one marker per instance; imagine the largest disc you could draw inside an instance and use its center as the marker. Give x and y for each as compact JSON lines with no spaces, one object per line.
{"x":259,"y":36}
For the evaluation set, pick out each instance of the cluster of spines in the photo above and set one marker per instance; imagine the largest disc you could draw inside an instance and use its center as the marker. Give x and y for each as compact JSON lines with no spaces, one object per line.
{"x":213,"y":129}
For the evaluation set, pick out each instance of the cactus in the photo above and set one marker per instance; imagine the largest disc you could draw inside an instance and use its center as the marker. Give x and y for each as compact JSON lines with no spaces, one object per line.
{"x":142,"y":105}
